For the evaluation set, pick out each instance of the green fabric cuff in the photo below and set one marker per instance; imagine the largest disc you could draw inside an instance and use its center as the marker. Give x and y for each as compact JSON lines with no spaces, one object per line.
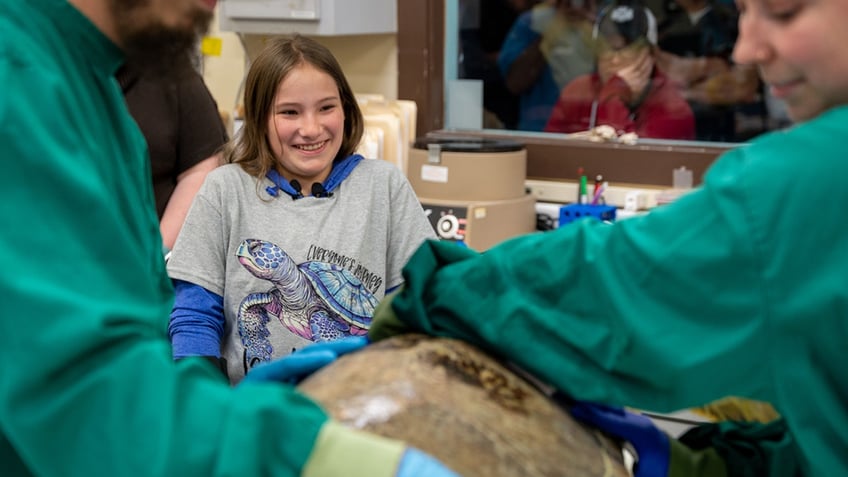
{"x":344,"y":452}
{"x":419,"y":274}
{"x":385,"y":323}
{"x":685,"y":462}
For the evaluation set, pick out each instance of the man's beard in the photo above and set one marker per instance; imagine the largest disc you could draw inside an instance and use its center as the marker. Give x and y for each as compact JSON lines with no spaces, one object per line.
{"x":153,"y":47}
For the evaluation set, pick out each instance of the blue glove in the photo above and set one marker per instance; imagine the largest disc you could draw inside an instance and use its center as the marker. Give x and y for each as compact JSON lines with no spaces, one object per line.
{"x":651,"y":444}
{"x":415,"y":463}
{"x":297,"y":366}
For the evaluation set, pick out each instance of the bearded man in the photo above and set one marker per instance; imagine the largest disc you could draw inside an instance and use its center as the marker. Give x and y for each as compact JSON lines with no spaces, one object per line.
{"x":87,"y":383}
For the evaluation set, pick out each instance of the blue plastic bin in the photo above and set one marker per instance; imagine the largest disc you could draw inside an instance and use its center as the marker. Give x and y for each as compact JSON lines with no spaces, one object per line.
{"x":570,"y":213}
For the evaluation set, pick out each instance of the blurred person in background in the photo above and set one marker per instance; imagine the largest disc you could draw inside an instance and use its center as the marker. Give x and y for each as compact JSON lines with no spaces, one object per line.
{"x":480,"y":44}
{"x":626,"y":91}
{"x":547,"y":47}
{"x":184,"y":132}
{"x":696,"y":39}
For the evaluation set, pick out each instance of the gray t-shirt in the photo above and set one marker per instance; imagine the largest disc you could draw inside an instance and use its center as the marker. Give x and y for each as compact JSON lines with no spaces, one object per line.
{"x":292,"y":272}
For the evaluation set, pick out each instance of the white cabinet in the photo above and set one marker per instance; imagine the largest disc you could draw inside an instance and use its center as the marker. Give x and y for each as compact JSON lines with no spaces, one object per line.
{"x":309,"y":17}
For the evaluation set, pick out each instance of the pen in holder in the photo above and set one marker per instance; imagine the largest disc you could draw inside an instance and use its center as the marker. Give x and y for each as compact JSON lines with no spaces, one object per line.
{"x":570,"y":213}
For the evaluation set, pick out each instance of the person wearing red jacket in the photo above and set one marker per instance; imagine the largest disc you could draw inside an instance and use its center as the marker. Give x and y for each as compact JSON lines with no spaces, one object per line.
{"x":627,"y":91}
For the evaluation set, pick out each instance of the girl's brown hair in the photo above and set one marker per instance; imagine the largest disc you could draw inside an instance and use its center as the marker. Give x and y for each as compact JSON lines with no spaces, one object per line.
{"x":280,"y":56}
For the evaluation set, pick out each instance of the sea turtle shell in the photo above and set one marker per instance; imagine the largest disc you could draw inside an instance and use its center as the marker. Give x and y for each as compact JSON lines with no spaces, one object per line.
{"x":455,"y":402}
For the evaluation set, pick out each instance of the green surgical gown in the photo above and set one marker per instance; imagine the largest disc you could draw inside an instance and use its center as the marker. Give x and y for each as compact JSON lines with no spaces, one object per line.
{"x":739,"y":288}
{"x":87,"y":383}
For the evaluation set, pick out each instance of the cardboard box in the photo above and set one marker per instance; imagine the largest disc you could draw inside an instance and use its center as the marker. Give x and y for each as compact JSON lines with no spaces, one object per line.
{"x":467,"y":171}
{"x":481,"y":224}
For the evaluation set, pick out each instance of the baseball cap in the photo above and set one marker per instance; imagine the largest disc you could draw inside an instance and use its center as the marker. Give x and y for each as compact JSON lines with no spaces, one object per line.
{"x":628,"y":20}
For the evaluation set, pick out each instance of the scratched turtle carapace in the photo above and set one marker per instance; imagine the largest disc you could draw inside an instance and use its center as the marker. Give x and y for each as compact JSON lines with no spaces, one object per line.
{"x":460,"y":405}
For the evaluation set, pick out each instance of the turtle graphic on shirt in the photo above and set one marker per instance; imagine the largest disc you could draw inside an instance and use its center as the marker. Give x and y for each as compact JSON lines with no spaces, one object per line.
{"x":318,"y":301}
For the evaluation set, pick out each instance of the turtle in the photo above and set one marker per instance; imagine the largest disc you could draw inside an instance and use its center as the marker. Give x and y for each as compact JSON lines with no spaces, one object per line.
{"x":476,"y":414}
{"x":317,"y":301}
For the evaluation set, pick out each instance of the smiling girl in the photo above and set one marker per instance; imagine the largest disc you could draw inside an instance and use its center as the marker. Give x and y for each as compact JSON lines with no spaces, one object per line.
{"x":298,"y":238}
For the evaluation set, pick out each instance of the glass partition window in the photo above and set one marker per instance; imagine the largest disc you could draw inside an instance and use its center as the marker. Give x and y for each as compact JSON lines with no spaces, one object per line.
{"x":661,"y":69}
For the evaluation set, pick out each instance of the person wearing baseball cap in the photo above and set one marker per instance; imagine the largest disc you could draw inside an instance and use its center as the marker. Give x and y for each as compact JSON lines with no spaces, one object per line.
{"x":626,"y":91}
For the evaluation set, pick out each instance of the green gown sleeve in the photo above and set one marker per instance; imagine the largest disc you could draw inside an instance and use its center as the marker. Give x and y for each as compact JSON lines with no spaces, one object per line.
{"x":87,"y":383}
{"x":613,"y":313}
{"x":737,"y":288}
